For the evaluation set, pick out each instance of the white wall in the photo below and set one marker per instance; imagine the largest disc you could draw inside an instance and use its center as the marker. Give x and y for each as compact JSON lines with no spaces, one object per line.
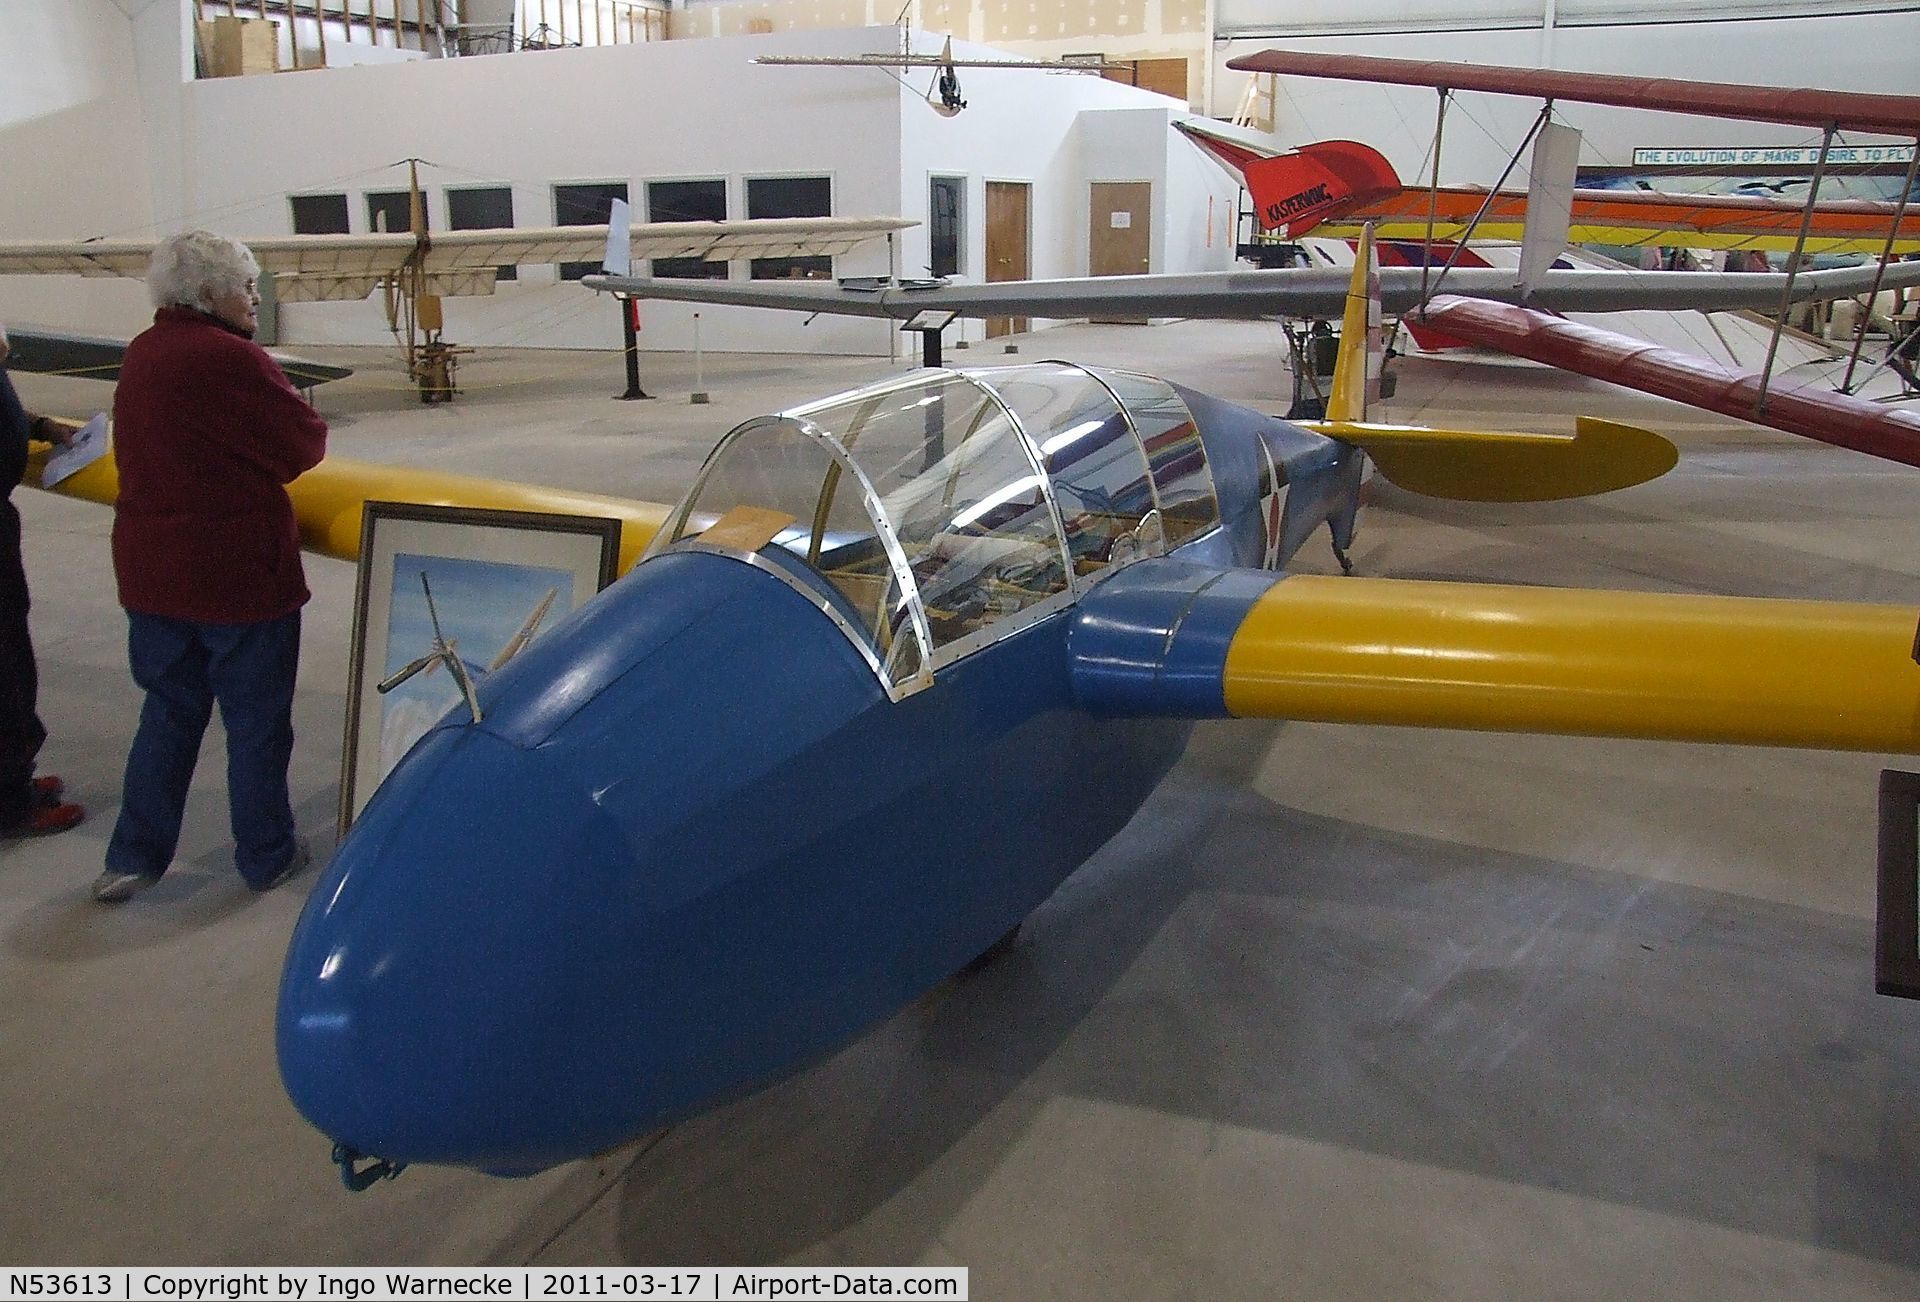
{"x":1059,"y":132}
{"x":1857,"y":52}
{"x":682,"y":109}
{"x":74,"y":154}
{"x":628,"y":113}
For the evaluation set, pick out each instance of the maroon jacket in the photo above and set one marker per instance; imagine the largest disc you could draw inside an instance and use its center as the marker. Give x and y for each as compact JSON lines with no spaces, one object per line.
{"x":206,"y":429}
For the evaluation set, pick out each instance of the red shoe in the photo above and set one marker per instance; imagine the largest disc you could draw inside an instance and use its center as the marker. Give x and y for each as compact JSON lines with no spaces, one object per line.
{"x":47,"y":790}
{"x":45,"y":820}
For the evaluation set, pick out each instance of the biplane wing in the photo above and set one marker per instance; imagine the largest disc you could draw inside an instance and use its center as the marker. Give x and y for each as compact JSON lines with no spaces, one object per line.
{"x":1810,"y":410}
{"x":1897,"y":115}
{"x":1644,"y":218}
{"x":327,"y":267}
{"x":1333,"y":187}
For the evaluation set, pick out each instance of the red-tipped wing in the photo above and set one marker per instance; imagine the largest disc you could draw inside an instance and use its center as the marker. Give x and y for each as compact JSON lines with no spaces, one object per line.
{"x":1846,"y":110}
{"x":1810,"y":411}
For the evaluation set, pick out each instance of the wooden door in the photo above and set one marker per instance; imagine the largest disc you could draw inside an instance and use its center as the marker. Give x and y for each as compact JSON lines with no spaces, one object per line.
{"x":1120,"y":232}
{"x":1162,"y":76}
{"x":1009,"y":238}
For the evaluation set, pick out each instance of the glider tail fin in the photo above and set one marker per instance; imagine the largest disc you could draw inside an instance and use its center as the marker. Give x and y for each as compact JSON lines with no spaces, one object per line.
{"x":1356,"y":373}
{"x":619,"y":256}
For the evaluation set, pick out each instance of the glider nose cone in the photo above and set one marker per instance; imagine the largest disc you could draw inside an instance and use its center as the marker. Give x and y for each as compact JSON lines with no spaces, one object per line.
{"x":428,"y":1002}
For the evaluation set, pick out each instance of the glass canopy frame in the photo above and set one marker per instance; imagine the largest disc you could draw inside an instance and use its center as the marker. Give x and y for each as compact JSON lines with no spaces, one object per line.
{"x":1002,"y":552}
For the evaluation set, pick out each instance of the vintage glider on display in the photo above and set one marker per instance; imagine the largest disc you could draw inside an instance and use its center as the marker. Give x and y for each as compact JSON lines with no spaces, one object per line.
{"x":1807,"y":408}
{"x":900,"y":660}
{"x":414,"y":269}
{"x":946,"y":82}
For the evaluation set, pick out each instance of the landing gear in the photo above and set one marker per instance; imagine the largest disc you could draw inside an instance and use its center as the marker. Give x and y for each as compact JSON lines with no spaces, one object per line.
{"x":1340,"y":554}
{"x":1314,"y":348}
{"x":434,"y":369}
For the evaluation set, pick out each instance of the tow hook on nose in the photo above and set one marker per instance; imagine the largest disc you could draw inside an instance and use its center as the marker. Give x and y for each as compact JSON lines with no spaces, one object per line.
{"x":365,"y":1177}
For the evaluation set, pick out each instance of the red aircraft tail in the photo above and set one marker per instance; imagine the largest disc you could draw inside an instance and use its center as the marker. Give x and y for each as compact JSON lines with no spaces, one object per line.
{"x":1314,"y":183}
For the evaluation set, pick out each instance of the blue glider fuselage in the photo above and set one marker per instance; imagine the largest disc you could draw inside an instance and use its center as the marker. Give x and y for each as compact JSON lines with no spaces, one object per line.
{"x":719,"y":820}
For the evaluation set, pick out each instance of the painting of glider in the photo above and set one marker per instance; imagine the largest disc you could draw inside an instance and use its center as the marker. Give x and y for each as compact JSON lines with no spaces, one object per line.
{"x":446,"y":596}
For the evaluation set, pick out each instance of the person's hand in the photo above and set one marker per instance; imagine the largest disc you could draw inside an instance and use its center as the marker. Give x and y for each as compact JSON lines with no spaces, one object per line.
{"x":49,"y":430}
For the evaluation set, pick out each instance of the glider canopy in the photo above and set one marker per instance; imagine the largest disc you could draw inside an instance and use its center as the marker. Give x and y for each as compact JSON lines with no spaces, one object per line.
{"x":931,"y":515}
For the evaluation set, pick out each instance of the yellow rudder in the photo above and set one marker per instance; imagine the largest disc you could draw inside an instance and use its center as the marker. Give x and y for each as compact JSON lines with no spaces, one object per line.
{"x":1356,"y":373}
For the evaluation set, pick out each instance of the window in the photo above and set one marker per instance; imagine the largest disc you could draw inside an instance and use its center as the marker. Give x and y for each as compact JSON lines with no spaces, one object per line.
{"x":387,"y":211}
{"x":944,"y":224}
{"x":319,"y":214}
{"x":1175,"y":453}
{"x":687,"y":201}
{"x":587,"y":204}
{"x":790,"y":196}
{"x":1098,"y":467}
{"x":478,"y":208}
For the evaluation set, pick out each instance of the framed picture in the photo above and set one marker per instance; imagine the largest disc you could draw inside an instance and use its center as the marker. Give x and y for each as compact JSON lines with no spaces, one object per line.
{"x":493,"y":581}
{"x":1896,"y":949}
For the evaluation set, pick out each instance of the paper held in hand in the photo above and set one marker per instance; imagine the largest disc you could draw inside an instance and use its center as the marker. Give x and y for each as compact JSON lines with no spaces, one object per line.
{"x":88,"y":445}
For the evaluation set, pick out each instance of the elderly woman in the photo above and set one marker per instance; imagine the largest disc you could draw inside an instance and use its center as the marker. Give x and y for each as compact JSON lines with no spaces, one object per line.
{"x":207,"y":430}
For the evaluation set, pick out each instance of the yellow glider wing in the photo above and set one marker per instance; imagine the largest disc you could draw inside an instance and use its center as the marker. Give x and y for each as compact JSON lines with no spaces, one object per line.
{"x":330,"y":499}
{"x":1169,"y":638}
{"x":1826,"y":675}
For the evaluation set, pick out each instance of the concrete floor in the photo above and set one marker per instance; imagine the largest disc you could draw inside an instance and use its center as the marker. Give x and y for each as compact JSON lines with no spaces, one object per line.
{"x":1345,"y":1012}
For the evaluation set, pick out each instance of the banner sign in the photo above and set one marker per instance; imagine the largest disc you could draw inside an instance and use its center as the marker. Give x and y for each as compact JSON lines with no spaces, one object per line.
{"x":1771,"y":155}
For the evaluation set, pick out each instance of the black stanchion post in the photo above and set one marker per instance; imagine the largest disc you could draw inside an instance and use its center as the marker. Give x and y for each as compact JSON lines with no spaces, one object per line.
{"x":630,"y":327}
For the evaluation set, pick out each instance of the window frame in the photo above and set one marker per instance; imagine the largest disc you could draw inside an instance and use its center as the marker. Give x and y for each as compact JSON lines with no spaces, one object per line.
{"x":783,"y":268}
{"x":346,"y":213}
{"x":506,"y":271}
{"x":689,"y":268}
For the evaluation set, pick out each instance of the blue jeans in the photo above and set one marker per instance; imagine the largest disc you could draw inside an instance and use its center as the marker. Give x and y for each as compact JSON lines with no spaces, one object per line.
{"x":185,"y":667}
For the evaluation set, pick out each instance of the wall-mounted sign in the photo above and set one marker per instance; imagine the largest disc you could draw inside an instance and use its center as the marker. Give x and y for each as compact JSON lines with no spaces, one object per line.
{"x":1771,"y":155}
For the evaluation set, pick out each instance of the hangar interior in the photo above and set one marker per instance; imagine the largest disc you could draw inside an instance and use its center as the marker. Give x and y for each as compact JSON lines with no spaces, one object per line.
{"x":1345,"y":1010}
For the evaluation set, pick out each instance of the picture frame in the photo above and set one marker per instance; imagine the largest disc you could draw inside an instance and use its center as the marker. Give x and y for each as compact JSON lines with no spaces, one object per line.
{"x":1896,"y":950}
{"x":494,"y":580}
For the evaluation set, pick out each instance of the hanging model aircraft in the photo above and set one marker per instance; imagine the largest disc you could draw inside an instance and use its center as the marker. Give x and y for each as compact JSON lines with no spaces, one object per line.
{"x":898,"y":662}
{"x":946,"y":81}
{"x":415,"y":269}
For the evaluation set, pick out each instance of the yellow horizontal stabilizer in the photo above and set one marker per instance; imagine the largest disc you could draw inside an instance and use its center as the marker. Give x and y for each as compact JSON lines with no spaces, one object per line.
{"x":328,"y":500}
{"x":1827,"y":675}
{"x":1496,"y":466}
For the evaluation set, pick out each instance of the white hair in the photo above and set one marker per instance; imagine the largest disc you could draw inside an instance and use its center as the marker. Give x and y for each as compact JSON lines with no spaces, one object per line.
{"x":197,"y":268}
